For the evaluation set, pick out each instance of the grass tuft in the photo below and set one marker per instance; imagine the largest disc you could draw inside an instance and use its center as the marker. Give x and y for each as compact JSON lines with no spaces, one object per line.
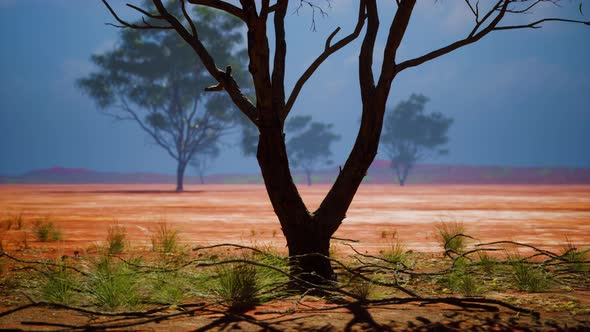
{"x":165,"y":240}
{"x":116,"y":239}
{"x":450,"y":235}
{"x":396,"y":251}
{"x":530,"y":278}
{"x":60,"y":286}
{"x":575,"y":258}
{"x":238,"y":287}
{"x":486,"y":262}
{"x":112,"y":285}
{"x":46,"y":231}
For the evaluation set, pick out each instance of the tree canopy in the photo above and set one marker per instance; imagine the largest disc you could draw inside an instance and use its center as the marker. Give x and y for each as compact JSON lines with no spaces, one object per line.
{"x":410,"y":134}
{"x":309,"y":144}
{"x":153,"y":78}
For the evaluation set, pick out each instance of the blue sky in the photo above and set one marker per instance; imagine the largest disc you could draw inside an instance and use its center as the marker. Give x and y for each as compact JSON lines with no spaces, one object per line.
{"x":519,"y":98}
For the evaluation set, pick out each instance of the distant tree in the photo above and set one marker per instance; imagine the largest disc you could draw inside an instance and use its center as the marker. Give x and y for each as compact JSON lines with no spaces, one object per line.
{"x":410,"y":134}
{"x":201,"y":161}
{"x":153,"y":78}
{"x":310,"y":145}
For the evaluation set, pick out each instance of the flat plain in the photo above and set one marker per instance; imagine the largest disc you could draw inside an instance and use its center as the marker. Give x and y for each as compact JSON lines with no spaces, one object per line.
{"x":206,"y":214}
{"x":552,"y":218}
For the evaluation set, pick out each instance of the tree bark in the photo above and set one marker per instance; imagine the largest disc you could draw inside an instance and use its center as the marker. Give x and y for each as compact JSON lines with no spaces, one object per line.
{"x":180,"y":176}
{"x":308,"y":238}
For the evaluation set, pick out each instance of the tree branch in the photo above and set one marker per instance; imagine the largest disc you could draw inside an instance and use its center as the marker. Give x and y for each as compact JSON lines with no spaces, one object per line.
{"x":471,"y":38}
{"x":125,"y":24}
{"x":397,"y":30}
{"x":221,"y":5}
{"x":502,"y":9}
{"x":534,"y":25}
{"x":278,"y":70}
{"x":328,"y":50}
{"x":125,"y":106}
{"x":224,"y":78}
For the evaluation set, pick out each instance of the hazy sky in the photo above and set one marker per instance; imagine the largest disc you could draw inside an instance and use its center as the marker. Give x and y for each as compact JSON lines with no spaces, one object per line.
{"x":519,"y":98}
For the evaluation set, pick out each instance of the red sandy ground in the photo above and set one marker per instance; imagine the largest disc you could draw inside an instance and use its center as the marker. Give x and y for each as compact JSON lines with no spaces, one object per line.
{"x":535,"y":214}
{"x":205,"y":214}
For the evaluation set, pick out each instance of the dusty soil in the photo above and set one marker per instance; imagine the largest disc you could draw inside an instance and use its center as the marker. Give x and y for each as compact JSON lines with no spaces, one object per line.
{"x":536,"y":214}
{"x":243,"y":214}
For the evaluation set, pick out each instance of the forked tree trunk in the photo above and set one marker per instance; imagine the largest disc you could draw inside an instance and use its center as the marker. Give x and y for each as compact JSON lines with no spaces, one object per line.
{"x":308,"y":238}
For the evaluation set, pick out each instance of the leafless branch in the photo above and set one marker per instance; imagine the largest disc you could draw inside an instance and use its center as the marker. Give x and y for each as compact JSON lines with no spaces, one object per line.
{"x":535,"y":25}
{"x":315,"y":9}
{"x":329,"y":49}
{"x":125,"y":24}
{"x":221,"y":5}
{"x":188,"y":18}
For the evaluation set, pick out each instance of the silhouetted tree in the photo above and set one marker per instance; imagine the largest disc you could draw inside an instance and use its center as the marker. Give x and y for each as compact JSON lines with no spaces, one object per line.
{"x":308,"y":233}
{"x":153,"y":78}
{"x":410,"y":134}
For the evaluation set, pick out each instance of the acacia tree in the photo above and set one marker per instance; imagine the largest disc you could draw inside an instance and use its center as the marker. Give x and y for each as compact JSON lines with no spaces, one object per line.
{"x":310,"y":144}
{"x":153,"y":78}
{"x":308,"y":233}
{"x":410,"y":134}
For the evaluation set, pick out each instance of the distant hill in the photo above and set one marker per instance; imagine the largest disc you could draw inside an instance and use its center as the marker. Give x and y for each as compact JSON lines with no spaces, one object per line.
{"x":380,"y":172}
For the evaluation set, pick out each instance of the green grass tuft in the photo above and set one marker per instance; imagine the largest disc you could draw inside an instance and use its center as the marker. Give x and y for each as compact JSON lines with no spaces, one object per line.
{"x":60,"y":286}
{"x":396,"y":251}
{"x":530,"y":278}
{"x":46,"y":231}
{"x":113,"y":285}
{"x":450,"y":235}
{"x":165,"y":240}
{"x":116,"y":239}
{"x":238,"y":287}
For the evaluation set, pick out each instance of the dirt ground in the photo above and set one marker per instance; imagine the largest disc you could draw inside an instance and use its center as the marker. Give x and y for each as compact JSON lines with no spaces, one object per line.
{"x":242,"y":213}
{"x":545,"y":216}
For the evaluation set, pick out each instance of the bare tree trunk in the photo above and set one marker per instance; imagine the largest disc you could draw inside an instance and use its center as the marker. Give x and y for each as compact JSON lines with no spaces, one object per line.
{"x":308,"y":238}
{"x":180,"y":176}
{"x":405,"y":171}
{"x":395,"y":166}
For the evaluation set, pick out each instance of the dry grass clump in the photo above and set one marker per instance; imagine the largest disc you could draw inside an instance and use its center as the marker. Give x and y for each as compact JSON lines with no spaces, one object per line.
{"x":451,"y":235}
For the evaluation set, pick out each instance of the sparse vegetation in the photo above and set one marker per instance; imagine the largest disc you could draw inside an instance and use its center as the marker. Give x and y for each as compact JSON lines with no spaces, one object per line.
{"x":530,"y":277}
{"x":396,"y":251}
{"x":116,"y":238}
{"x":462,"y":280}
{"x":165,"y":239}
{"x":60,"y":286}
{"x":451,"y":235}
{"x":242,"y":278}
{"x":486,"y":262}
{"x":239,"y":287}
{"x":46,"y":231}
{"x":16,"y":222}
{"x":112,"y":285}
{"x":575,"y":257}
